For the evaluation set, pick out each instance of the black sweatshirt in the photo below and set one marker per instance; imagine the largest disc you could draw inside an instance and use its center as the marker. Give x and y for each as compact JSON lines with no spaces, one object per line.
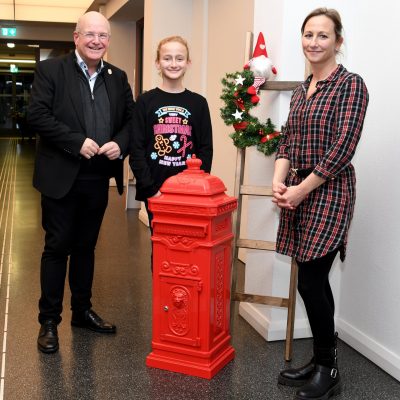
{"x":168,"y":128}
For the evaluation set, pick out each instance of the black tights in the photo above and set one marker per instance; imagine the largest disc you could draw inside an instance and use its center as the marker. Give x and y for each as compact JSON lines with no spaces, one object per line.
{"x":315,"y":290}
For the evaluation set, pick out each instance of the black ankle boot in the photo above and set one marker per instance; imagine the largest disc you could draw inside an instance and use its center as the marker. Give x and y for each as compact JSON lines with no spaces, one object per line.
{"x":297,"y":376}
{"x":324,"y":383}
{"x":325,"y":380}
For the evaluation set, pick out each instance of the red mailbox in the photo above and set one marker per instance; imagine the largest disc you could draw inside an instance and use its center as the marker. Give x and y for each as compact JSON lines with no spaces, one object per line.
{"x":192,"y":239}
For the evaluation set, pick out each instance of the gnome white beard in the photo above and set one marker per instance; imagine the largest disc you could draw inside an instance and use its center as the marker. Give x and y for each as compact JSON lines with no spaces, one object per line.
{"x":261,"y":66}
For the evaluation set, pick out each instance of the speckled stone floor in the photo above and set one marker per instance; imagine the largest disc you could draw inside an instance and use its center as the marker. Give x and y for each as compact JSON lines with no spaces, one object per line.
{"x":92,"y":366}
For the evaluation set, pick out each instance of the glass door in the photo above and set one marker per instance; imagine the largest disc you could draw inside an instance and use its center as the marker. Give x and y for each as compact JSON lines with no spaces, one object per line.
{"x":7,"y":103}
{"x":17,"y":68}
{"x":15,"y":90}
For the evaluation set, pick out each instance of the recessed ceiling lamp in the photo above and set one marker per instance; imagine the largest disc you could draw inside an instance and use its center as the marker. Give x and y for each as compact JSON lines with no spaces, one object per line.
{"x":11,"y":45}
{"x":14,"y":61}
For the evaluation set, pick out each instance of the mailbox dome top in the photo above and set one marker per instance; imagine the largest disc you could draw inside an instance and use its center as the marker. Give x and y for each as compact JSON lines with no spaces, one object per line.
{"x":193,"y":181}
{"x":194,"y":163}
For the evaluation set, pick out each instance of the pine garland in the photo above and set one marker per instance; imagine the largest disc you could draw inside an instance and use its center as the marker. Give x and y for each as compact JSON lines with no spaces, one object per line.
{"x":249,"y":131}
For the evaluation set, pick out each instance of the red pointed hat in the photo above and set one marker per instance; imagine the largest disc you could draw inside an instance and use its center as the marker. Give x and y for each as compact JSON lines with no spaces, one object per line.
{"x":260,"y":49}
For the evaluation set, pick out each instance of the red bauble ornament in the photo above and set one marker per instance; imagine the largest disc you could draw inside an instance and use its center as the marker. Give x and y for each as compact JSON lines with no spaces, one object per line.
{"x":240,"y":125}
{"x":255,"y":99}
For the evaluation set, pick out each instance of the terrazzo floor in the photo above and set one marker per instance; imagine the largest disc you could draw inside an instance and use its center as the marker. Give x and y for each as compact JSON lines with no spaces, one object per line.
{"x":92,"y":366}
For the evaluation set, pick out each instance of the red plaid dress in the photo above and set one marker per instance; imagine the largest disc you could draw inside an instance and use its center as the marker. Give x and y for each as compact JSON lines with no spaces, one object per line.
{"x":322,"y":133}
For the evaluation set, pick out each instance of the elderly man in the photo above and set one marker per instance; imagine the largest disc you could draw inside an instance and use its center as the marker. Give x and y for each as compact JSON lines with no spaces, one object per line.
{"x":81,"y":107}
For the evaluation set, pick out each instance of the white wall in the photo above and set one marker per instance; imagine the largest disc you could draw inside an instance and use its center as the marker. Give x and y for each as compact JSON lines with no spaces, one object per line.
{"x":122,"y":48}
{"x":366,"y":286}
{"x":369,"y":316}
{"x":163,"y":18}
{"x":228,"y":20}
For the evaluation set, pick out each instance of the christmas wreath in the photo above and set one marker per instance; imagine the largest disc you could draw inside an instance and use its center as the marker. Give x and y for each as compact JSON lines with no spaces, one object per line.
{"x":249,"y":131}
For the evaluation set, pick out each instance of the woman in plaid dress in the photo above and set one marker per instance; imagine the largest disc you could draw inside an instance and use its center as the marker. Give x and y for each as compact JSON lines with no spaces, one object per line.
{"x":314,"y":185}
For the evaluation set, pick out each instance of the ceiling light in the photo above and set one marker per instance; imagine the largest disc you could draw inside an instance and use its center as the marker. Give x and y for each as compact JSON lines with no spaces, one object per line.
{"x":11,"y":45}
{"x":13,"y":61}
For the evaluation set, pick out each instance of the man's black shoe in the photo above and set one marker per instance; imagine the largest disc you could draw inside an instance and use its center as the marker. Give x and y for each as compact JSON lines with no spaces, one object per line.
{"x":90,"y":320}
{"x":48,"y":337}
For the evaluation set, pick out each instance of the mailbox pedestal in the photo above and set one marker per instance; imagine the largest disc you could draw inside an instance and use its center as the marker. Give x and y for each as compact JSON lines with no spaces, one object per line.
{"x":192,"y":237}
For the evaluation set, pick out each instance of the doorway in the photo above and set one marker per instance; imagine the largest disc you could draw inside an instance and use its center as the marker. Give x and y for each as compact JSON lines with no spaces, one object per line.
{"x":17,"y":67}
{"x":17,"y":62}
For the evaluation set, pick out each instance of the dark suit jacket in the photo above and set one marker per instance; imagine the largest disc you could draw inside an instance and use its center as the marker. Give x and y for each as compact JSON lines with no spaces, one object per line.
{"x":55,"y":113}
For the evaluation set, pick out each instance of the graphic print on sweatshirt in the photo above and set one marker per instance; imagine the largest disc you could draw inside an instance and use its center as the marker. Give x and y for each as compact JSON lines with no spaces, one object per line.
{"x":173,"y":143}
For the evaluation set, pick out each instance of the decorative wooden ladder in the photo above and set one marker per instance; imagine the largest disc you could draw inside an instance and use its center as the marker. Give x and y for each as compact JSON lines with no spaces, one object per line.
{"x":246,"y":190}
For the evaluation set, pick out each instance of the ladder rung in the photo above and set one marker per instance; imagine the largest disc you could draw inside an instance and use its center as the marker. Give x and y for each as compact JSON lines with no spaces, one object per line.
{"x":280,"y":85}
{"x":256,"y":190}
{"x":254,"y":298}
{"x":256,"y":244}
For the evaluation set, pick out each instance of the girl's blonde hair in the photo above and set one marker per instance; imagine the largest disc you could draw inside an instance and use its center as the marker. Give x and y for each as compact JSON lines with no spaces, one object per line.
{"x":169,"y":39}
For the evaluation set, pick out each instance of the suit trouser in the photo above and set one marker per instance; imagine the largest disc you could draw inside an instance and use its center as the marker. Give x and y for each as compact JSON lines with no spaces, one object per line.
{"x":72,"y":226}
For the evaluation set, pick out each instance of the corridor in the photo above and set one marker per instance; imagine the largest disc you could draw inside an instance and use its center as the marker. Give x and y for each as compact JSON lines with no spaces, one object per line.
{"x":92,"y":366}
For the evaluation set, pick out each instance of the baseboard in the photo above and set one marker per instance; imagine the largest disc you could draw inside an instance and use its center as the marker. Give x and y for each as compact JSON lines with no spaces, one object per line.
{"x":374,"y":351}
{"x":371,"y":349}
{"x":272,"y":330}
{"x":143,"y":217}
{"x":130,"y":201}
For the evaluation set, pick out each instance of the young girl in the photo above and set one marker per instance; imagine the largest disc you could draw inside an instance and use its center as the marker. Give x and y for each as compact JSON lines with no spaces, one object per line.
{"x":171,"y":123}
{"x":314,"y":185}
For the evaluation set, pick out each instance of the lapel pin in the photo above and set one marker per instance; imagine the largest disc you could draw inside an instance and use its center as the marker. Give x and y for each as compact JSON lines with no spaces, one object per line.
{"x":109,"y":72}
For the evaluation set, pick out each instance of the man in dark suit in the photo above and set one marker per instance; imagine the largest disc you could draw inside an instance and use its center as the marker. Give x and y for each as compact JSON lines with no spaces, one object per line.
{"x":81,"y":107}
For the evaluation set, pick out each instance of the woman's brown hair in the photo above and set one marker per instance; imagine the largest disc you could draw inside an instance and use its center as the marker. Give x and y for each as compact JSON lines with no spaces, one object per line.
{"x":332,"y":14}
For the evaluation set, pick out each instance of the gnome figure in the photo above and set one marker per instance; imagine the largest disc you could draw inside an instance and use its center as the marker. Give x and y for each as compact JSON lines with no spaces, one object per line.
{"x":261,"y":66}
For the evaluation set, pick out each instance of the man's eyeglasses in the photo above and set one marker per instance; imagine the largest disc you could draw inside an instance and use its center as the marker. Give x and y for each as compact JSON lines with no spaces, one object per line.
{"x":91,"y":35}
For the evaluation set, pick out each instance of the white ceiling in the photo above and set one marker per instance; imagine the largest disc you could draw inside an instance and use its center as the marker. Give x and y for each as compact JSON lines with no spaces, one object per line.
{"x":43,"y":10}
{"x":52,"y":3}
{"x":65,"y":11}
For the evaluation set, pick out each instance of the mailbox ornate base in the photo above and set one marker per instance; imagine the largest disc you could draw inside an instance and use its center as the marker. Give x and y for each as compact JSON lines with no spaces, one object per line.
{"x":202,"y":368}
